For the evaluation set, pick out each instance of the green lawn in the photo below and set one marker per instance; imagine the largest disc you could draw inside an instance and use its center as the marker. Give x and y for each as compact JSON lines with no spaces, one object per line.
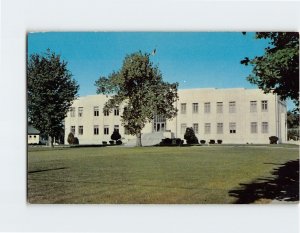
{"x":202,"y":174}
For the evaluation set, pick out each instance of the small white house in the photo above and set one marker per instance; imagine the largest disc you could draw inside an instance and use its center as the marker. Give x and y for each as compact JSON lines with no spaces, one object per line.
{"x":33,"y":135}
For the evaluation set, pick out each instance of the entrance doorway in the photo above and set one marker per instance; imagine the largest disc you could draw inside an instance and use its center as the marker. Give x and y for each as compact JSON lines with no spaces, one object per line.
{"x":159,"y":124}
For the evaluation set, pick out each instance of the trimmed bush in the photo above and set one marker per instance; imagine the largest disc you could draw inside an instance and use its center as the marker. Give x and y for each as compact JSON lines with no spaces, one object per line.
{"x":104,"y":143}
{"x":76,"y":141}
{"x":111,"y":142}
{"x":115,"y":136}
{"x":171,"y":142}
{"x":219,"y":141}
{"x":190,"y":136}
{"x":119,"y":142}
{"x":211,"y":141}
{"x":273,"y":139}
{"x":202,"y":141}
{"x":70,"y":138}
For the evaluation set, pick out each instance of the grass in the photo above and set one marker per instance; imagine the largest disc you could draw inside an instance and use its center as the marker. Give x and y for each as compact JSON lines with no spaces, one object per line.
{"x":205,"y":174}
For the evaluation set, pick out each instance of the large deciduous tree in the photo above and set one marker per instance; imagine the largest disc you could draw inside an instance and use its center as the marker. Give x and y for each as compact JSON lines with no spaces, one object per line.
{"x":140,"y":86}
{"x":50,"y":92}
{"x":277,"y":70}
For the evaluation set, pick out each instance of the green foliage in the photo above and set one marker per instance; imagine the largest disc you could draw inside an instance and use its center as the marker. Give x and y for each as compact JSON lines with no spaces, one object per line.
{"x":293,"y":134}
{"x":278,"y":69}
{"x":119,"y":142}
{"x":292,"y":120}
{"x":71,"y":138}
{"x":190,"y":136}
{"x":76,"y":141}
{"x":139,"y":84}
{"x":50,"y":92}
{"x":273,"y":139}
{"x":115,"y":135}
{"x":171,"y":142}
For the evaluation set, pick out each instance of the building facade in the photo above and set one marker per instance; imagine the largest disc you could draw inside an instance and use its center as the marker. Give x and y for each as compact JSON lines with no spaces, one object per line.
{"x":33,"y":135}
{"x":234,"y":115}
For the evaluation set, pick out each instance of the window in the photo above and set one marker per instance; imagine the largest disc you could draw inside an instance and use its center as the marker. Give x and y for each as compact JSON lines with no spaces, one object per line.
{"x":183,"y":108}
{"x":264,"y":106}
{"x":29,"y":136}
{"x":264,"y":127}
{"x":219,"y":107}
{"x":80,"y":130}
{"x":196,"y":128}
{"x":232,"y":127}
{"x":106,"y":129}
{"x":207,"y":128}
{"x":80,"y":111}
{"x":219,"y":128}
{"x":117,"y":128}
{"x":207,"y":107}
{"x":106,"y":112}
{"x":72,"y":111}
{"x":34,"y":136}
{"x":73,"y":130}
{"x":195,"y":107}
{"x":96,"y":129}
{"x":253,"y":106}
{"x":232,"y":107}
{"x":96,"y":111}
{"x":253,"y":127}
{"x":183,"y":128}
{"x":116,"y":111}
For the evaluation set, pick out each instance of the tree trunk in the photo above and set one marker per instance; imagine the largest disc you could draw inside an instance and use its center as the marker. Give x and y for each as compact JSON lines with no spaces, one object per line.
{"x":50,"y":141}
{"x":139,"y":139}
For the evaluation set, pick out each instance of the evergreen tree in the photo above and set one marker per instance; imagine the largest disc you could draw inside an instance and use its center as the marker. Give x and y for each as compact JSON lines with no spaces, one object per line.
{"x":115,"y":136}
{"x":190,"y":136}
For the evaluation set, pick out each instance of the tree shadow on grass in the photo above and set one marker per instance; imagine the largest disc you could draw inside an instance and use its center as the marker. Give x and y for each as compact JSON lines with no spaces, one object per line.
{"x":45,"y":170}
{"x":283,"y":186}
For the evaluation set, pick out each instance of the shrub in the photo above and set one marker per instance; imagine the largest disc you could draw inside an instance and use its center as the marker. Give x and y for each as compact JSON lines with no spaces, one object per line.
{"x":165,"y":142}
{"x":202,"y":141}
{"x":111,"y":142}
{"x":119,"y":142}
{"x":273,"y":139}
{"x":178,"y":141}
{"x":171,"y":142}
{"x":168,"y":141}
{"x":190,"y":136}
{"x":293,"y":134}
{"x":211,"y":141}
{"x":115,"y":135}
{"x":70,"y":138}
{"x":219,"y":141}
{"x":104,"y":143}
{"x":76,"y":141}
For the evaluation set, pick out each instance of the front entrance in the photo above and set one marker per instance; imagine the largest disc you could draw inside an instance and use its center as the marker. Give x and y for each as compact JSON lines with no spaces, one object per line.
{"x":159,"y":124}
{"x":159,"y":127}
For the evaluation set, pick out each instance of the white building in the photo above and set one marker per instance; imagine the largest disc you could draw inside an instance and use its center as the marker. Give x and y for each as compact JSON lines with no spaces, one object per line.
{"x":33,"y":135}
{"x":235,"y":115}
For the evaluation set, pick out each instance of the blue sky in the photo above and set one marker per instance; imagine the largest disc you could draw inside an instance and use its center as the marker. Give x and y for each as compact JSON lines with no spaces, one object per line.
{"x":193,"y":59}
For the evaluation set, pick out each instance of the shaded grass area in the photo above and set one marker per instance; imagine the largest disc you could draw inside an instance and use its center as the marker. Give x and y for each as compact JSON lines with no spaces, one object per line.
{"x":283,"y":186}
{"x":153,"y":174}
